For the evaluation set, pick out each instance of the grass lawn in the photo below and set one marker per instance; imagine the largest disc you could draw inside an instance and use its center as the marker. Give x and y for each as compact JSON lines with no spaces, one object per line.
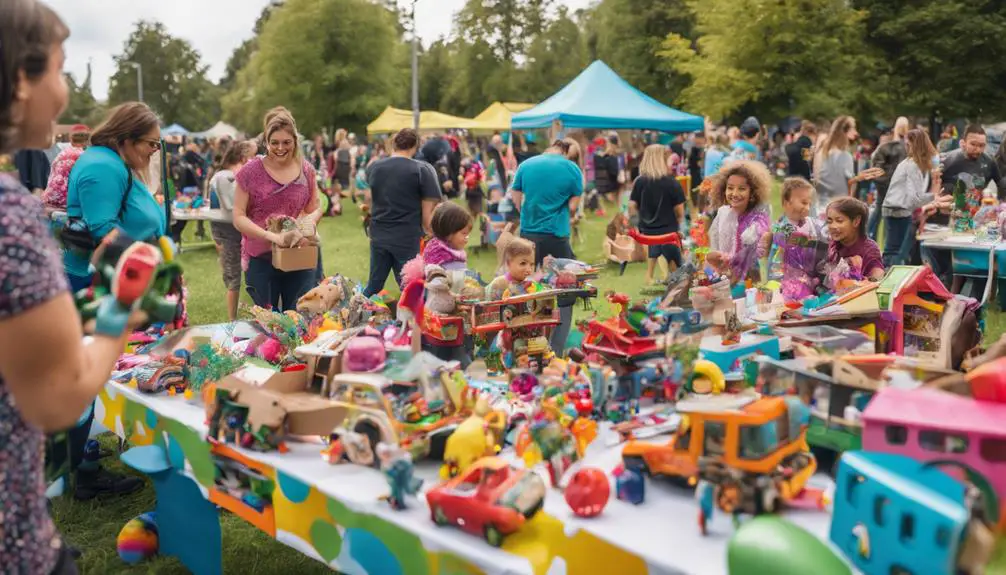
{"x":93,"y":526}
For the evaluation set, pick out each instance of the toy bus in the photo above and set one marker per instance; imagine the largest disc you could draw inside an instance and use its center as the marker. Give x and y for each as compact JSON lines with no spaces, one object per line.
{"x":895,"y":515}
{"x":933,"y":425}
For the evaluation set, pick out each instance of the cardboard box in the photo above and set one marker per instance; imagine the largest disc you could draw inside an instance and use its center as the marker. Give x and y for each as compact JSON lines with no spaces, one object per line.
{"x":294,"y":259}
{"x":281,"y":398}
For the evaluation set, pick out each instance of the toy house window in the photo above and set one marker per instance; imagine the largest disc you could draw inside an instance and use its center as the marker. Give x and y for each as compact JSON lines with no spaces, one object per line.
{"x":907,"y":530}
{"x":852,"y":487}
{"x":899,"y":570}
{"x":993,"y":450}
{"x":942,"y":442}
{"x":896,"y":434}
{"x":879,"y":503}
{"x":942,"y":537}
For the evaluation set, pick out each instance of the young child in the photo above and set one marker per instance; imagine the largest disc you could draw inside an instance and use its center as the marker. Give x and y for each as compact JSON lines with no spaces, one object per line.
{"x":742,"y":190}
{"x":518,"y":257}
{"x":793,"y":242}
{"x":451,"y":224}
{"x":849,"y":244}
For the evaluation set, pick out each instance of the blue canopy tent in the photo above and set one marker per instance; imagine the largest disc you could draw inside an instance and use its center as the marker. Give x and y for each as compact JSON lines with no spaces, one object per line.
{"x":599,"y":98}
{"x":174,"y":130}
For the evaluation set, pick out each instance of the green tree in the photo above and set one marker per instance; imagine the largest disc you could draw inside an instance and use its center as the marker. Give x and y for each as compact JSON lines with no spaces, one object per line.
{"x":945,"y":56}
{"x":242,"y":54}
{"x":800,"y":57}
{"x":554,"y":57}
{"x":506,"y":25}
{"x":331,"y":62}
{"x":174,"y":78}
{"x":627,"y":34}
{"x":82,"y":103}
{"x":435,"y":70}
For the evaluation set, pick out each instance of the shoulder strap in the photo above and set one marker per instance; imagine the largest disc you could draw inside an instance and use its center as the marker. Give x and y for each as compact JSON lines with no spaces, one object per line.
{"x":129,"y":188}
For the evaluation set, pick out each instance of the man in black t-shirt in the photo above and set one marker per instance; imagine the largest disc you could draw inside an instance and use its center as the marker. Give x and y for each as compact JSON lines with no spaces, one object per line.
{"x":403,"y":194}
{"x":677,"y":146}
{"x":696,"y":158}
{"x":800,"y":152}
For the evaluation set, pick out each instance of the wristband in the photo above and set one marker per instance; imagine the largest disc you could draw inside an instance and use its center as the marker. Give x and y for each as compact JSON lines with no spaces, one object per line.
{"x":112,"y":318}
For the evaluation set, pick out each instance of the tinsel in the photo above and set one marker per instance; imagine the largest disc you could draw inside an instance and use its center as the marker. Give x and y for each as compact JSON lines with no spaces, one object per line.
{"x":209,"y":363}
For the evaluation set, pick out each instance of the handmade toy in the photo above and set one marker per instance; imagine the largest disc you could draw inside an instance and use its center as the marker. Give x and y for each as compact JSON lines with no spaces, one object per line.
{"x":775,"y":545}
{"x":209,"y":364}
{"x":912,"y":494}
{"x":524,"y":324}
{"x":478,"y":436}
{"x":491,"y":499}
{"x":137,"y":541}
{"x":630,"y":486}
{"x":562,"y":273}
{"x":439,"y":298}
{"x":732,"y":329}
{"x":587,"y":492}
{"x":321,"y":299}
{"x":398,"y":470}
{"x":364,"y":354}
{"x":132,"y":275}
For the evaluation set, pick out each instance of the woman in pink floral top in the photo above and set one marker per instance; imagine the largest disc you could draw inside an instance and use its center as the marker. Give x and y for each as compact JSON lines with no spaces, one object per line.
{"x":281,"y":183}
{"x":50,"y":376}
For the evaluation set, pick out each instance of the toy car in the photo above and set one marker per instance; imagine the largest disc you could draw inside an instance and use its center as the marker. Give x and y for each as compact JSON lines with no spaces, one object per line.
{"x":491,"y":499}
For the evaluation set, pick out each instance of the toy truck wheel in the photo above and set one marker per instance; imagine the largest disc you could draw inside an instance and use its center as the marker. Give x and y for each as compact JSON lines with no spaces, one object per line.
{"x":493,"y":536}
{"x":768,"y":500}
{"x":439,"y":517}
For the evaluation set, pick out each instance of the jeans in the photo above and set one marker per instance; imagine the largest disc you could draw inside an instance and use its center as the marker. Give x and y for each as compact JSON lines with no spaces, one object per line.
{"x":319,"y":273}
{"x":899,"y":240}
{"x":276,"y":289}
{"x":384,"y":259}
{"x":873,"y":222}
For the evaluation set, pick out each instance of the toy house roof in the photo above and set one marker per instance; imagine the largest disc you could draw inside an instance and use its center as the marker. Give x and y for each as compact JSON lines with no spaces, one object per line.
{"x":934,"y":409}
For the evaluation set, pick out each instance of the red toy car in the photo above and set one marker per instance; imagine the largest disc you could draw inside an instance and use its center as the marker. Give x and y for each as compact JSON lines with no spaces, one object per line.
{"x":491,"y":499}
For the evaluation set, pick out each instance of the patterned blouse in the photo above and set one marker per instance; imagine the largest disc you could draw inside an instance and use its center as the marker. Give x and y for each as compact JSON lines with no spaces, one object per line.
{"x":31,"y":273}
{"x":267,"y":197}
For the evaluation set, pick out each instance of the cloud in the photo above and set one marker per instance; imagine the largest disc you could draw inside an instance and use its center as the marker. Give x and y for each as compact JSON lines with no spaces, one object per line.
{"x":99,"y":28}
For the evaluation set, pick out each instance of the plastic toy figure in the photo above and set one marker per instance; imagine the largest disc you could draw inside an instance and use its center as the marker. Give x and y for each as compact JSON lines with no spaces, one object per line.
{"x":398,"y":470}
{"x":732,"y":331}
{"x":629,"y":485}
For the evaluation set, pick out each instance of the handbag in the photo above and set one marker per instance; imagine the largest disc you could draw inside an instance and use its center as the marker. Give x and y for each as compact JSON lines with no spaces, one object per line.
{"x":75,"y":235}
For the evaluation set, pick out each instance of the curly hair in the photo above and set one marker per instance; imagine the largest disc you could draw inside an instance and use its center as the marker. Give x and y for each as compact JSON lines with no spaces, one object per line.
{"x":756,"y":174}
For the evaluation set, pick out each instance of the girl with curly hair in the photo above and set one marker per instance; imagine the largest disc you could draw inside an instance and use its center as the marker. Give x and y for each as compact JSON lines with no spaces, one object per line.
{"x":741,"y":191}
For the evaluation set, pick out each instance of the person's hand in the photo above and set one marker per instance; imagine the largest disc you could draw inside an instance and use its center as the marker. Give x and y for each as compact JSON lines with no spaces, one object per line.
{"x":716,"y":259}
{"x":284,"y":239}
{"x":936,"y":181}
{"x":871,"y":174}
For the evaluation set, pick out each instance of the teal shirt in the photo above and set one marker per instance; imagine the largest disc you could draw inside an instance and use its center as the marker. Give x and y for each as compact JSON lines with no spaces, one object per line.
{"x":548,"y":181}
{"x":99,"y":178}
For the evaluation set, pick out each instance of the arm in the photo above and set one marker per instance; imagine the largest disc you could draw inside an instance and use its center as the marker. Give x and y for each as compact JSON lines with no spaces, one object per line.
{"x":516,"y":189}
{"x":574,"y":200}
{"x":428,"y":207}
{"x":518,"y":198}
{"x":100,"y":202}
{"x":882,"y":159}
{"x":244,"y":224}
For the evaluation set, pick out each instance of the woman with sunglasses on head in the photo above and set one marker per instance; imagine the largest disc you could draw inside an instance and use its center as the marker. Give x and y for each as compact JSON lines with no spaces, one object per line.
{"x":48,"y":374}
{"x":107,"y":189}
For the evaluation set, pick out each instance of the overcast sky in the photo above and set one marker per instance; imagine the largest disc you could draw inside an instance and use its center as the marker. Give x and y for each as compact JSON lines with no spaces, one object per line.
{"x":99,"y":28}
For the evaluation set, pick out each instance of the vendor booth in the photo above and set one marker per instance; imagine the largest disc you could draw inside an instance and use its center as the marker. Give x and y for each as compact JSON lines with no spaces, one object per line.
{"x":498,"y":116}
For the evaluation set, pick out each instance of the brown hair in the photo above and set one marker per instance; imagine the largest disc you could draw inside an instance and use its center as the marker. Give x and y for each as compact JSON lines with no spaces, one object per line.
{"x":449,"y":218}
{"x":80,"y":137}
{"x":757,"y":176}
{"x":837,"y":137}
{"x":235,"y":152}
{"x":790,"y":185}
{"x":808,"y":127}
{"x":28,"y":32}
{"x":129,"y":121}
{"x":920,"y":149}
{"x":851,"y":208}
{"x":516,"y":248}
{"x":405,"y":139}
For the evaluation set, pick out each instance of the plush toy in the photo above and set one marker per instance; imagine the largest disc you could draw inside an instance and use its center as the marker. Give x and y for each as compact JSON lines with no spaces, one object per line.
{"x":438,"y":291}
{"x":320,"y":299}
{"x":138,"y":539}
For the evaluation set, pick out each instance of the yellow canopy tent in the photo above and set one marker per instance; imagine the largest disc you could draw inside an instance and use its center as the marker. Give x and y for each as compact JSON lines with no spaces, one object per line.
{"x":390,"y":121}
{"x":393,"y":119}
{"x":496,"y":118}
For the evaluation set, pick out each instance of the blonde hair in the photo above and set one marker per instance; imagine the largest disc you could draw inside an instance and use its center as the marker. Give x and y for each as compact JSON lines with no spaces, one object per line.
{"x":794,"y":183}
{"x":920,"y":149}
{"x":654,"y":162}
{"x":838,"y":138}
{"x":901,"y":126}
{"x":757,"y":176}
{"x":573,"y":153}
{"x":280,"y":119}
{"x":516,"y":248}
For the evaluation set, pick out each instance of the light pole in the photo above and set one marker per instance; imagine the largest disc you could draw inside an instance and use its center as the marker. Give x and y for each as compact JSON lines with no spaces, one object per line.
{"x":415,"y":69}
{"x":139,"y":78}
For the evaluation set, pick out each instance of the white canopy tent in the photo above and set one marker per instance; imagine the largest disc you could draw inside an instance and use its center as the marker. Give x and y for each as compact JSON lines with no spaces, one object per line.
{"x":220,"y":130}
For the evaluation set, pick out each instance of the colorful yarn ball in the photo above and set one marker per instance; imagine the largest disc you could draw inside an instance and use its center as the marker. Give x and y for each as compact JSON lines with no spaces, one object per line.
{"x":138,"y":539}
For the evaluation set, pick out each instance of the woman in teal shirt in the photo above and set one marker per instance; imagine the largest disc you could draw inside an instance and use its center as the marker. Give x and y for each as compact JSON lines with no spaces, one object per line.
{"x":99,"y":180}
{"x":124,"y":143}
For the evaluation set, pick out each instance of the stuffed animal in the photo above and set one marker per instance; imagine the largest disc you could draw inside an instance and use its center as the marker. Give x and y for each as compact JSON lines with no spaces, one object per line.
{"x":321,"y":299}
{"x":439,"y":298}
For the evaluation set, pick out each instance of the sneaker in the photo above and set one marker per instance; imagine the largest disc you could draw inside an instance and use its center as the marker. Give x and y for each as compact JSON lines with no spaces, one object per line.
{"x":100,"y":481}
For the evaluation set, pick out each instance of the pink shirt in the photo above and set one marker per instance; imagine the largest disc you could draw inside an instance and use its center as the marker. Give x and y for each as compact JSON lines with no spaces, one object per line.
{"x":267,"y":197}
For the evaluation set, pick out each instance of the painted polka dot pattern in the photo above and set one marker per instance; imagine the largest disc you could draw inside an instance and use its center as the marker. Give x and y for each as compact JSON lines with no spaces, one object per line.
{"x":31,"y":273}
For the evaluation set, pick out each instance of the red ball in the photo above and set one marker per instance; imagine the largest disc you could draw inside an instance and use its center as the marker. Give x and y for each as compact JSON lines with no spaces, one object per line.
{"x":587,"y":492}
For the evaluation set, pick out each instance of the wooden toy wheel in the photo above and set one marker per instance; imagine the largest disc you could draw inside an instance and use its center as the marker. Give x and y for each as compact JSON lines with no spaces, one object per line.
{"x":728,"y":498}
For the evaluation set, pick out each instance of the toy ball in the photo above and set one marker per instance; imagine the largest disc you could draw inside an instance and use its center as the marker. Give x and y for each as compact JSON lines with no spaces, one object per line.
{"x":138,"y":539}
{"x":587,"y":492}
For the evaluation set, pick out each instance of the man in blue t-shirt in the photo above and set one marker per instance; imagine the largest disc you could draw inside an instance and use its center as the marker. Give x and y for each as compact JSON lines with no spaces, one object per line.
{"x":747,"y":147}
{"x":546,"y":190}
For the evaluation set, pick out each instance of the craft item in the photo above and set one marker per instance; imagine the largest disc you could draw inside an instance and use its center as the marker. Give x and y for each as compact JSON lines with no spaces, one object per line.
{"x":399,"y":472}
{"x":364,"y":354}
{"x":588,"y":491}
{"x":629,"y":485}
{"x":137,"y":541}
